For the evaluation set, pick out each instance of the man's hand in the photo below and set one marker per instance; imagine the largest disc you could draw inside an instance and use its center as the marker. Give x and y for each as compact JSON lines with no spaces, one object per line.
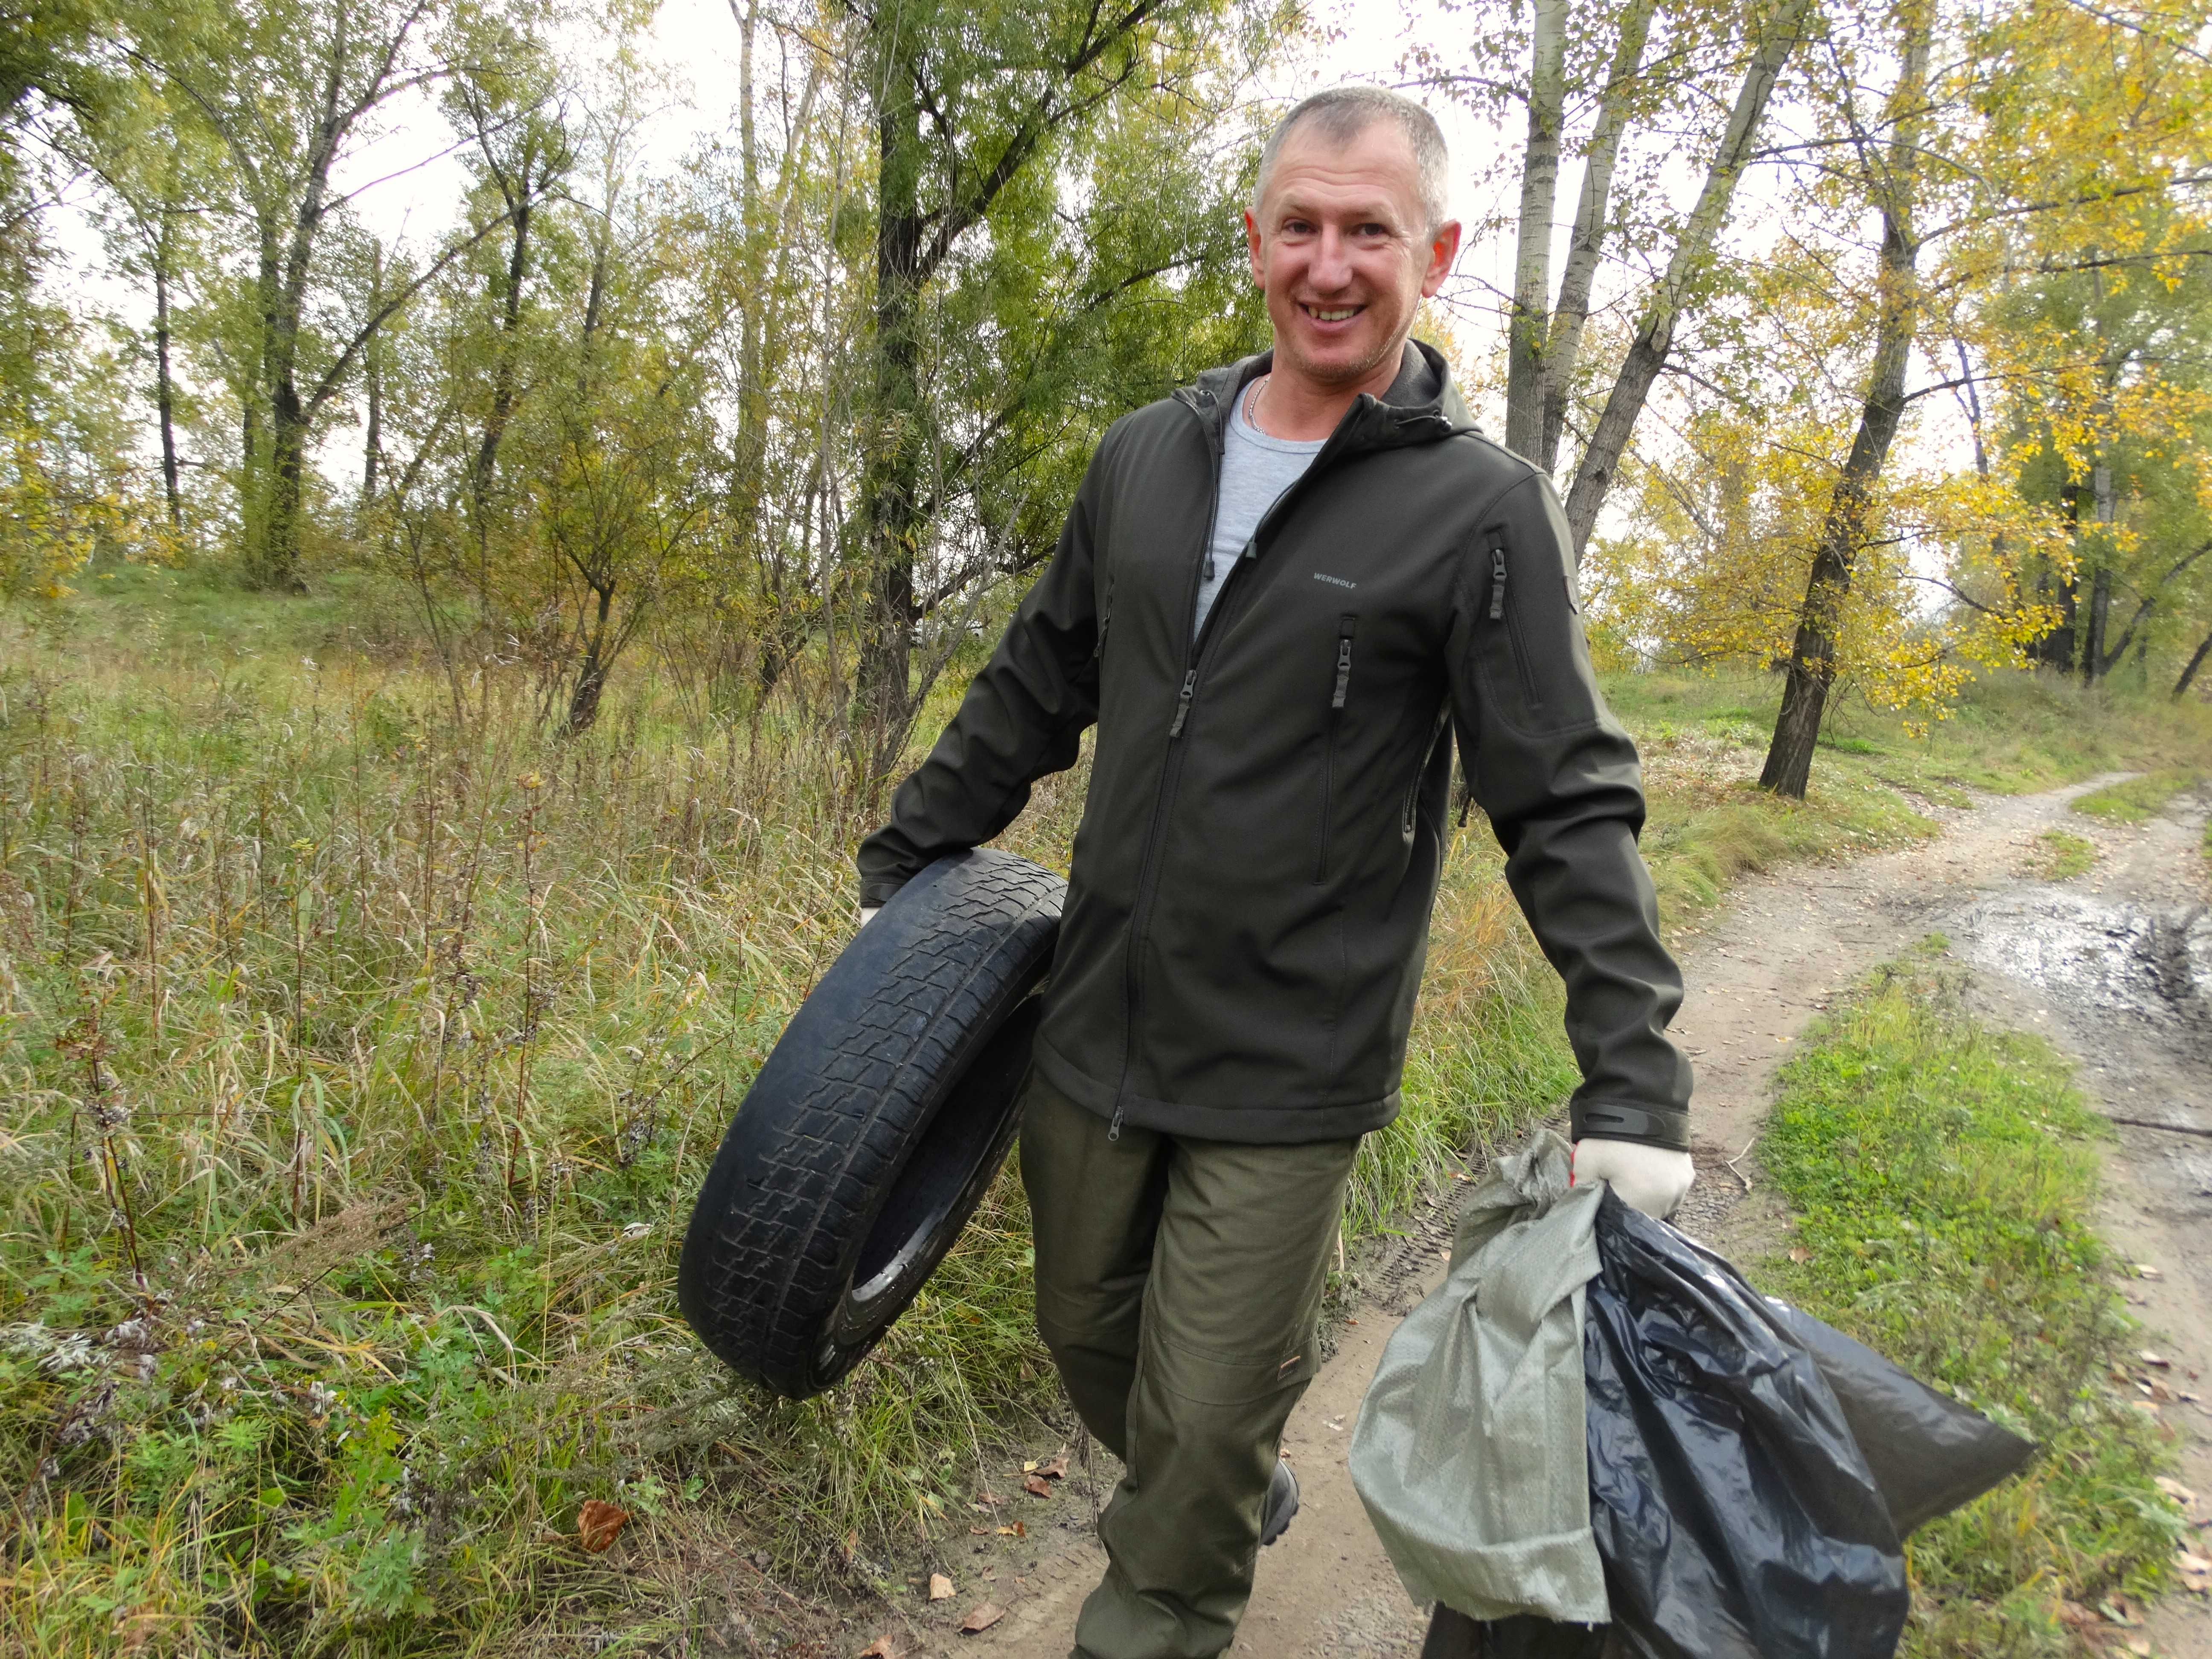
{"x":1652,"y":1179}
{"x":868,"y":913}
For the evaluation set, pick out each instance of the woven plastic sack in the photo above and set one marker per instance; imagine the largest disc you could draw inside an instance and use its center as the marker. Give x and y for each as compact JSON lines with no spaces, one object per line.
{"x":1469,"y":1451}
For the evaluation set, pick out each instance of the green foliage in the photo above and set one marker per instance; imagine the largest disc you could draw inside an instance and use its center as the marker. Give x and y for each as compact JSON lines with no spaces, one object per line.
{"x":1945,"y":1181}
{"x":2136,"y":800}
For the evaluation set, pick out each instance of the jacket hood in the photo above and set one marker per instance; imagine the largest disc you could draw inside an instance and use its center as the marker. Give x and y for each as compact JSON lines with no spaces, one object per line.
{"x":1421,"y":406}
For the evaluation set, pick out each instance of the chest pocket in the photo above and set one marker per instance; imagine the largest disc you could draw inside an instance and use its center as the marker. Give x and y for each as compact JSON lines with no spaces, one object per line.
{"x":1529,"y":635}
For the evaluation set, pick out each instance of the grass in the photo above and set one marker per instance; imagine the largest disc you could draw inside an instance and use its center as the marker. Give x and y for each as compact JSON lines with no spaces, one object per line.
{"x":2136,"y":800}
{"x":360,"y":1066}
{"x":363,"y":1049}
{"x":2059,"y":855}
{"x":1945,"y":1180}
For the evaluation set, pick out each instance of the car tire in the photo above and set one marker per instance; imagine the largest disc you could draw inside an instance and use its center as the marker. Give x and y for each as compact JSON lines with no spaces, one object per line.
{"x":875,"y":1127}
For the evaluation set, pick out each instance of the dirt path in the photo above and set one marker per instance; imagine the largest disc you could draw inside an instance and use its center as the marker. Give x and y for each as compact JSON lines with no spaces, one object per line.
{"x":2102,"y":963}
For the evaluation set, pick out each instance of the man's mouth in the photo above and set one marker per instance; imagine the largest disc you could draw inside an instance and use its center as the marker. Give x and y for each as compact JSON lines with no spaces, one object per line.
{"x":1332,"y":313}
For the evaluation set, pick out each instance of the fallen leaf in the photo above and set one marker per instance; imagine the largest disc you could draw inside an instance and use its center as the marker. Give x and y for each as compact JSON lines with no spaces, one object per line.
{"x":2072,"y":1613}
{"x":600,"y":1523}
{"x":2173,"y":1489}
{"x":2161,"y":1393}
{"x":983,"y":1617}
{"x":2148,"y":1407}
{"x":987,"y":1499}
{"x":1018,"y":1530}
{"x":881,"y":1648}
{"x":2121,"y":1611}
{"x":1053,"y":1468}
{"x":1036,"y":1486}
{"x":979,"y":1532}
{"x":2150,"y":1359}
{"x":2139,"y":1645}
{"x":1800,"y":1254}
{"x":1030,"y":1467}
{"x":2192,"y":1564}
{"x":940,"y":1586}
{"x":2144,"y":1270}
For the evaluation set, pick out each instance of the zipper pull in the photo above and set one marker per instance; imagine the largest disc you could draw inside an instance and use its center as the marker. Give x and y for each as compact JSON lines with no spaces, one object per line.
{"x":1098,"y":651}
{"x":1183,"y":702}
{"x":1496,"y":584}
{"x":1343,"y":670}
{"x":1209,"y":563}
{"x":1114,"y":1129}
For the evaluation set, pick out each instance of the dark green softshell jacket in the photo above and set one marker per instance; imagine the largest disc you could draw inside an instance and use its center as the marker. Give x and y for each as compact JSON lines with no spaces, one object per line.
{"x":1248,"y":907}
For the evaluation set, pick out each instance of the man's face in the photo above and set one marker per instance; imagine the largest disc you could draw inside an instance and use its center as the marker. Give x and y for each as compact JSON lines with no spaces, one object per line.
{"x":1341,"y":246}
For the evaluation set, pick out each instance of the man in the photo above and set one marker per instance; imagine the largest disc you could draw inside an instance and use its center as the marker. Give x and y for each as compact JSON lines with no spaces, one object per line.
{"x":1275,"y":592}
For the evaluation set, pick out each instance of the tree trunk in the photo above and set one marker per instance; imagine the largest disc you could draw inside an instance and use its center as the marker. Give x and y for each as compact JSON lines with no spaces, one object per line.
{"x":1528,"y":328}
{"x":2196,"y":661}
{"x":1788,"y":767}
{"x":2096,"y":662}
{"x":165,"y":387}
{"x":503,"y":386}
{"x":1566,"y":344}
{"x":287,"y":464}
{"x":592,"y":675}
{"x":892,"y":472}
{"x":2055,"y":649}
{"x":371,"y":373}
{"x":1655,"y":336}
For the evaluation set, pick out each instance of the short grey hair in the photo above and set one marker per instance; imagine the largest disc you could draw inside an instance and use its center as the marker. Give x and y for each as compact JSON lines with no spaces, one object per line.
{"x":1343,"y":113}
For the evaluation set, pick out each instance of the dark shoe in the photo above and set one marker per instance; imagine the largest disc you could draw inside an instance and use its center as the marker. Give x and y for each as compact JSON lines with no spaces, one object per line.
{"x":1281,"y":1504}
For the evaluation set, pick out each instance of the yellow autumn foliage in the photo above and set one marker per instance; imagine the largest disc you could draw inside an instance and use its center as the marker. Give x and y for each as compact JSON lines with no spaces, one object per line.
{"x":1714,"y":572}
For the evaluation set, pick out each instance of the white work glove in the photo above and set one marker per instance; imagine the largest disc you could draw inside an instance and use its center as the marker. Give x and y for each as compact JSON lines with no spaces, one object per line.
{"x":1652,"y":1179}
{"x":868,"y":913}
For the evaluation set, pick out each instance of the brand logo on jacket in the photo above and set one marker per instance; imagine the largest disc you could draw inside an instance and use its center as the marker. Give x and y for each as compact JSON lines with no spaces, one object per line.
{"x":1334,"y":581}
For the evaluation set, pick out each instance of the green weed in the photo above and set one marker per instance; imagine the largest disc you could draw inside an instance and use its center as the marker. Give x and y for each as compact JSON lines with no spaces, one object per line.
{"x":2060,"y":854}
{"x":1944,"y":1177}
{"x":2134,"y":799}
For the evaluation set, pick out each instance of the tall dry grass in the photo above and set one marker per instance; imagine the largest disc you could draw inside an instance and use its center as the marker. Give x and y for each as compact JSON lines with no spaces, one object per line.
{"x":359,"y":1068}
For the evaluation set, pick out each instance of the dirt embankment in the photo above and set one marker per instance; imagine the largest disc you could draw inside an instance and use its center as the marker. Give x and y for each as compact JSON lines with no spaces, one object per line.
{"x":2115,"y":965}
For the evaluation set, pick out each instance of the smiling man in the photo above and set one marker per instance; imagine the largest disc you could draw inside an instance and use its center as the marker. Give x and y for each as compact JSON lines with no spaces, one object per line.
{"x":1278,"y":595}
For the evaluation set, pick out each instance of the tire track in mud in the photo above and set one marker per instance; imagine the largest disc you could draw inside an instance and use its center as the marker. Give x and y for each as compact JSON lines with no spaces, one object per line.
{"x":2114,"y":965}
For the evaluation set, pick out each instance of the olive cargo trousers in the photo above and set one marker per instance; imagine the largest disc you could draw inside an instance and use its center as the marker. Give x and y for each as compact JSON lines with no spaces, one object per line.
{"x":1178,"y":1285}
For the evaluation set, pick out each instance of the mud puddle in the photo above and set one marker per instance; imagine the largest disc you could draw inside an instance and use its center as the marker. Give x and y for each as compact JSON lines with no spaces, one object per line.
{"x":2151,"y":964}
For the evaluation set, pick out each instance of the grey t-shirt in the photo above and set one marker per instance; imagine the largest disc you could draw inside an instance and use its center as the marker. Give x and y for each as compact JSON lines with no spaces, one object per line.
{"x":1256,"y":470}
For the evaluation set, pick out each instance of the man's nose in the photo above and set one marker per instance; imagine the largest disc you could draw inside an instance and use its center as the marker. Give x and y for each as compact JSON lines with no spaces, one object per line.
{"x":1332,"y":261}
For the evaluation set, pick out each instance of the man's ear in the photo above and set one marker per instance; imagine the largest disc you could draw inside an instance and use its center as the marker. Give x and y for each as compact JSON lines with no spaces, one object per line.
{"x":1252,"y":243}
{"x":1444,"y":249}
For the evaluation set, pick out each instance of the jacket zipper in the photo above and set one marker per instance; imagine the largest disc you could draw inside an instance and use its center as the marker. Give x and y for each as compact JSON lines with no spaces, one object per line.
{"x":1141,"y":917}
{"x":1498,"y":608}
{"x":1132,"y":990}
{"x":1346,"y":626}
{"x":1414,"y":794}
{"x":1105,"y":622}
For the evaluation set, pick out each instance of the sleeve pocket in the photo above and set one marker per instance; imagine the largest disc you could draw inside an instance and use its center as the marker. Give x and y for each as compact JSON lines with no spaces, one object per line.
{"x":1535,"y":666}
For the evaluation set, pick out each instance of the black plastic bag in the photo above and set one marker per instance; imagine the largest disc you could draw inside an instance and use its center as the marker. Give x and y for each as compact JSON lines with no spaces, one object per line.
{"x":1736,"y":1515}
{"x":1929,"y":1454}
